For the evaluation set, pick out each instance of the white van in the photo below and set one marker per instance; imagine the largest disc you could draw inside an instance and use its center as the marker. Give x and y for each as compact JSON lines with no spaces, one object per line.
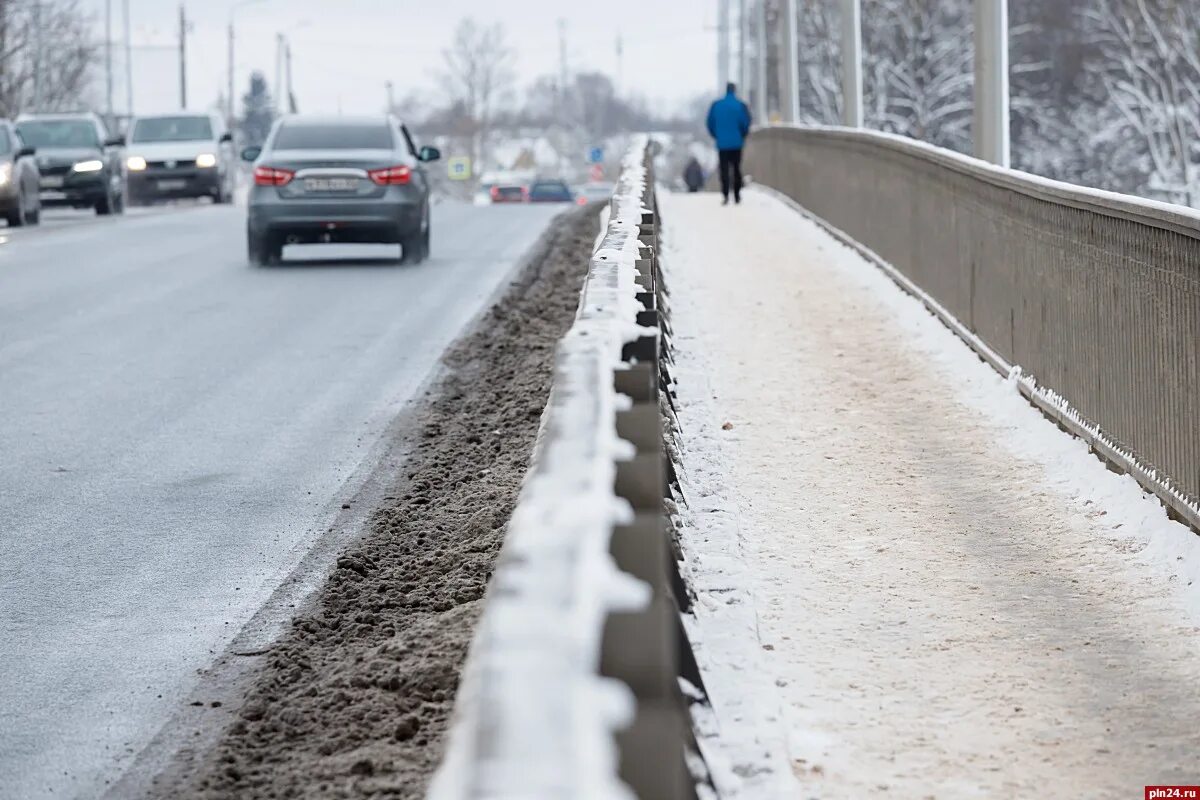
{"x":179,"y":155}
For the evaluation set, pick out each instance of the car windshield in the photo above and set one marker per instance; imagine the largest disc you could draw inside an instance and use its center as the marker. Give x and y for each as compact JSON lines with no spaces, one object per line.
{"x":334,"y":137}
{"x":52,"y":133}
{"x":173,"y":129}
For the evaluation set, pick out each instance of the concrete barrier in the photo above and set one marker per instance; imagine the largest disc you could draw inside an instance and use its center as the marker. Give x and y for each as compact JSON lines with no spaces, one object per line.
{"x":572,"y":688}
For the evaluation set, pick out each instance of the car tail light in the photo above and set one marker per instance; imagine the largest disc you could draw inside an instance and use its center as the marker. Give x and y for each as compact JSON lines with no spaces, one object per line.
{"x":391,"y":176}
{"x":495,"y":192}
{"x":525,"y":193}
{"x":581,"y":201}
{"x":272,"y":176}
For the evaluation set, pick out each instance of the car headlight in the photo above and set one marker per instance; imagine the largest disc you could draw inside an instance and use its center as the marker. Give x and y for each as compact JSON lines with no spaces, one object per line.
{"x":88,"y":166}
{"x":5,"y":174}
{"x":136,"y":163}
{"x":206,"y":161}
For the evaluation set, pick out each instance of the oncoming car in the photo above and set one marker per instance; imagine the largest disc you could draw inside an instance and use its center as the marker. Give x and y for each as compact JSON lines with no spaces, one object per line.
{"x":338,"y":179}
{"x":19,"y":203}
{"x":80,"y":164}
{"x":179,"y":156}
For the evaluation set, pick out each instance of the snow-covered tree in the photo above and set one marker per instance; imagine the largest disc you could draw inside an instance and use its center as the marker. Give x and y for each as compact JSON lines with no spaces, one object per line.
{"x":258,"y":111}
{"x":919,"y":70}
{"x":1146,"y":65}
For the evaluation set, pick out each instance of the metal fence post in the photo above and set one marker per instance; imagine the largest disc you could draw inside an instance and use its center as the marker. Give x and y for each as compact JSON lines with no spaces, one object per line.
{"x":852,"y":83}
{"x":790,"y":104}
{"x":991,"y":125}
{"x":760,"y":66}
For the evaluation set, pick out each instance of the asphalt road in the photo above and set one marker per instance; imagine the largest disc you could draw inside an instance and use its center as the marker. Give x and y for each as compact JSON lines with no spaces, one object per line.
{"x":174,"y":426}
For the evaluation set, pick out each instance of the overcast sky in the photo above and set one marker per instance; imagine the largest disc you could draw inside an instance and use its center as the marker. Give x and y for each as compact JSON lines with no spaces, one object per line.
{"x":343,"y":57}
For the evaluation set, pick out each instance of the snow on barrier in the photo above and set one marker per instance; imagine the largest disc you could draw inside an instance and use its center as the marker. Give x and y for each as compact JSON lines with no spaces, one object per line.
{"x":572,"y":689}
{"x":1089,"y":300}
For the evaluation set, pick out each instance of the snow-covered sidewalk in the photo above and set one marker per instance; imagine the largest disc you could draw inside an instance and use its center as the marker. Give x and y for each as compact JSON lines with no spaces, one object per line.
{"x":910,"y":583}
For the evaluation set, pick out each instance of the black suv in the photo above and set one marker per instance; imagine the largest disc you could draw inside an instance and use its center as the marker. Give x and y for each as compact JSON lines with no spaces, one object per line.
{"x":80,"y":163}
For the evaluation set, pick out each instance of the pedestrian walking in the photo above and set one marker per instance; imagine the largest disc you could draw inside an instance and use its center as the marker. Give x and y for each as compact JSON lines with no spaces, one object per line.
{"x":729,"y":124}
{"x":693,"y":175}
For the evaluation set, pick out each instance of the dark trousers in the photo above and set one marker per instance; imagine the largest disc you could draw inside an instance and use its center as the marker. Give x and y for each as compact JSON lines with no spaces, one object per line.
{"x":731,"y":172}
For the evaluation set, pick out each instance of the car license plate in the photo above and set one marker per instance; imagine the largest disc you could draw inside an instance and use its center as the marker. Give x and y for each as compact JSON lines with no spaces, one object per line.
{"x":169,"y":186}
{"x":330,"y":184}
{"x":52,"y":182}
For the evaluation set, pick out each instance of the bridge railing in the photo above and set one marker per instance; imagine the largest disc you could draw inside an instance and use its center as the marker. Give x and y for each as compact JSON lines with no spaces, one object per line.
{"x":1093,"y":296}
{"x":572,"y":685}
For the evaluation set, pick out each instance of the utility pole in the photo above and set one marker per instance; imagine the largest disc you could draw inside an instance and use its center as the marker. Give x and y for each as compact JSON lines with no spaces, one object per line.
{"x":128,"y":60}
{"x":743,"y":54}
{"x":278,"y":73}
{"x":37,"y":55}
{"x":291,"y":96}
{"x":620,"y":62}
{"x":760,"y":66}
{"x":110,"y":119}
{"x":722,"y":45}
{"x":183,"y":31}
{"x":852,"y":82}
{"x":990,"y":129}
{"x":229,"y":100}
{"x":391,"y":97}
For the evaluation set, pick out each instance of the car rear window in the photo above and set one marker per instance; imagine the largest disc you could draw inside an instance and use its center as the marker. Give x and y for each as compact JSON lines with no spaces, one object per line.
{"x":172,"y":129}
{"x":334,"y":137}
{"x":509,"y":191}
{"x":549,"y":187}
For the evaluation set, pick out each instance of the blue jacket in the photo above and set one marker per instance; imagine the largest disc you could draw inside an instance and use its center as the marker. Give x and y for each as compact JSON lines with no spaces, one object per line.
{"x":729,"y":122}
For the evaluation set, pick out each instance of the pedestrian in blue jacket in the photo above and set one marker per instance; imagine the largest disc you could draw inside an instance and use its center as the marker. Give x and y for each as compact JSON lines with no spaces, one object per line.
{"x":729,"y":124}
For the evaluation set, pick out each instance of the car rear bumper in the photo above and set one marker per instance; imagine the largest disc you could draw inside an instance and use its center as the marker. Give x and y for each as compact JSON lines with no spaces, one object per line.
{"x":378,"y":221}
{"x":173,"y":184}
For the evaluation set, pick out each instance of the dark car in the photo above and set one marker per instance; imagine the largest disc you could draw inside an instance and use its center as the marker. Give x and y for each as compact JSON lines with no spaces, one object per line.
{"x":19,"y":203}
{"x":80,"y":164}
{"x":339,"y":179}
{"x":550,"y":192}
{"x":508,"y":193}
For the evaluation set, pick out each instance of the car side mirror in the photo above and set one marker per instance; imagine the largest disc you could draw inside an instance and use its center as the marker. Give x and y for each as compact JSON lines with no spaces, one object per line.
{"x":226,"y":138}
{"x":251,"y":153}
{"x":428,"y":154}
{"x":116,"y":141}
{"x":27,"y":152}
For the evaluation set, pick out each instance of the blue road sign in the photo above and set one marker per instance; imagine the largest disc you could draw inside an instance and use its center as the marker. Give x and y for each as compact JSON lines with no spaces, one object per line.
{"x":596,"y":155}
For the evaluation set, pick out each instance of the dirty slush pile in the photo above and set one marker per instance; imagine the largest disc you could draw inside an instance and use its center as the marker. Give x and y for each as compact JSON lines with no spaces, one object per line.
{"x":355,"y":699}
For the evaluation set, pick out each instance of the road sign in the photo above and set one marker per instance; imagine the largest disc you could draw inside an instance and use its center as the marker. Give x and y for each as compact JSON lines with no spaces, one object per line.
{"x":596,"y":155}
{"x":459,"y":168}
{"x":597,"y":172}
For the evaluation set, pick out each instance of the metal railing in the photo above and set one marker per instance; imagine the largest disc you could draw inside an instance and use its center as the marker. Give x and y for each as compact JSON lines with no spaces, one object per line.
{"x":1093,"y":296}
{"x":571,"y":687}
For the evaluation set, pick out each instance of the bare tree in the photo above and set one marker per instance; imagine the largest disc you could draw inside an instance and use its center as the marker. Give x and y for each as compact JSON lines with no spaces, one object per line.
{"x":68,"y":55}
{"x":477,"y":75}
